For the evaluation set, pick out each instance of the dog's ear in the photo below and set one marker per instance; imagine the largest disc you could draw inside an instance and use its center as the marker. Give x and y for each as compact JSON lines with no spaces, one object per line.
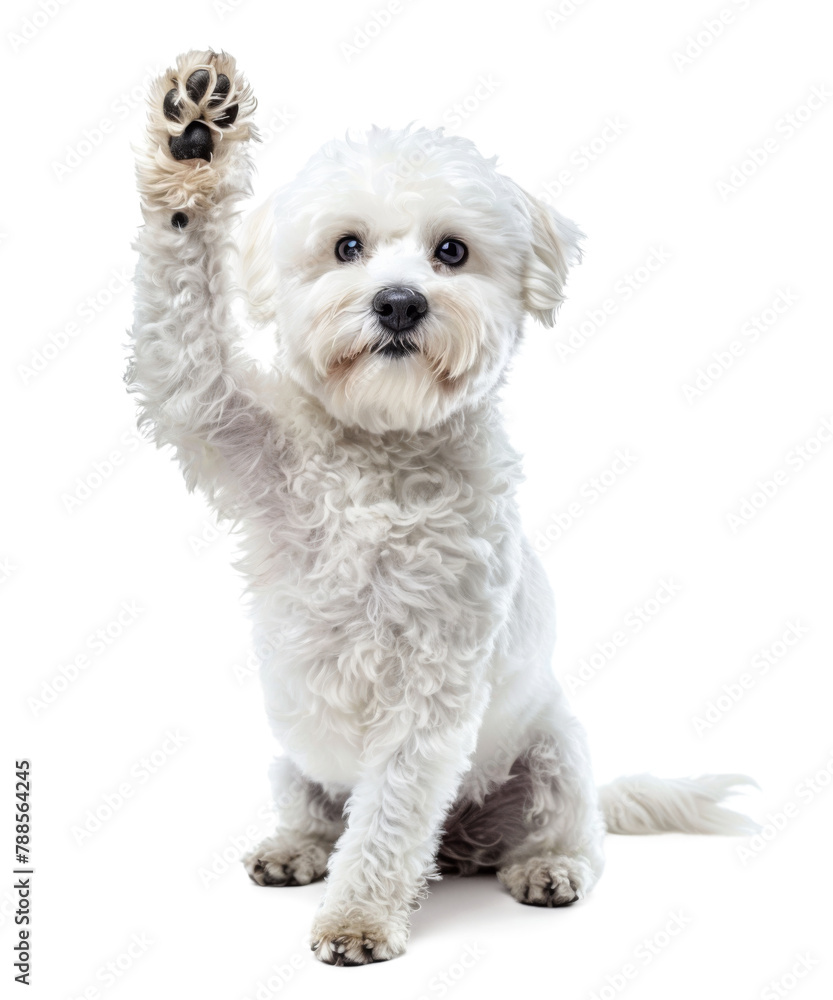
{"x":257,"y":273}
{"x":555,"y":247}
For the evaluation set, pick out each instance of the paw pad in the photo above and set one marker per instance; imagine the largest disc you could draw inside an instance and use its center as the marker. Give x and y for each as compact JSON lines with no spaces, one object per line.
{"x":196,"y":142}
{"x":197,"y":84}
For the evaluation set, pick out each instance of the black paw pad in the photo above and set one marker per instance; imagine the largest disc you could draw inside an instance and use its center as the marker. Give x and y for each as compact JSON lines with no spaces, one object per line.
{"x":179,"y":220}
{"x":221,"y":89}
{"x":228,"y":117}
{"x":194,"y":144}
{"x":197,"y":84}
{"x":171,"y":106}
{"x":218,"y":95}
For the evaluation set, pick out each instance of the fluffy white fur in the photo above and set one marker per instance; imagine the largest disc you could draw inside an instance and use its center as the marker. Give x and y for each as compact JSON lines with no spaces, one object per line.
{"x":405,"y":623}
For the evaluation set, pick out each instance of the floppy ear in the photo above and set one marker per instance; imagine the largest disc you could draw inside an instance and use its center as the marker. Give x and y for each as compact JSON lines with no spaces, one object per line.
{"x":555,"y":247}
{"x":257,"y":272}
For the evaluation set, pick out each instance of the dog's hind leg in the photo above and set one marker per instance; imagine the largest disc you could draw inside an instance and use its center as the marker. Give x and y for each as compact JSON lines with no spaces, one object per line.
{"x":311,"y":822}
{"x":560,"y":857}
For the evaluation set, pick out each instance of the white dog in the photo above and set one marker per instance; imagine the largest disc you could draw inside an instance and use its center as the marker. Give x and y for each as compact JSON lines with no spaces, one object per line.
{"x":404,"y":623}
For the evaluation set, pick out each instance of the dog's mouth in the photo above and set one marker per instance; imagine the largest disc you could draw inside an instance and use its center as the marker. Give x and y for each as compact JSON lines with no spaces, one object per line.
{"x":398,"y":345}
{"x":393,"y":345}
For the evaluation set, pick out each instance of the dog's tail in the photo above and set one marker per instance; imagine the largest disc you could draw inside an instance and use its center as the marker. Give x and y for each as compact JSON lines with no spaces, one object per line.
{"x":642,"y":803}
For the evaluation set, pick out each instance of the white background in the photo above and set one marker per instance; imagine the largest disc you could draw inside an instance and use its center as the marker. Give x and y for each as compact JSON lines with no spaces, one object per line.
{"x":181,"y":664}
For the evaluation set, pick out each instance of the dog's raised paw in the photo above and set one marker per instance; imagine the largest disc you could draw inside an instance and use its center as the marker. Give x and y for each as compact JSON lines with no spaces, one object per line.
{"x":279,"y":862}
{"x":204,"y":93}
{"x":199,"y":125}
{"x":546,"y":881}
{"x":200,"y":106}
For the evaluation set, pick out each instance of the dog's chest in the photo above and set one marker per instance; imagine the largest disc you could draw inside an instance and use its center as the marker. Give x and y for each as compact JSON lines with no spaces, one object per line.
{"x":376,"y":586}
{"x":352,"y":518}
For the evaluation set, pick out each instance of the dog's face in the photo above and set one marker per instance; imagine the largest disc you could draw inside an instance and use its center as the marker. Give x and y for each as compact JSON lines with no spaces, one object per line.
{"x":398,"y":270}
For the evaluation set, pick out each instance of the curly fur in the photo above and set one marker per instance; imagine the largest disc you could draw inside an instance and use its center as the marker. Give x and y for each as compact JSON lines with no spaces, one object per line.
{"x":405,"y":623}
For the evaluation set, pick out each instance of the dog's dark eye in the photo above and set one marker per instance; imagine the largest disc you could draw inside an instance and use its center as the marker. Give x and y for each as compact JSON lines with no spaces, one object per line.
{"x":452,"y":252}
{"x":349,"y":248}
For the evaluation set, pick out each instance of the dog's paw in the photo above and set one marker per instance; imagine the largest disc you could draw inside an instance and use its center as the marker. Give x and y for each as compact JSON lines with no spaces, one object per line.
{"x":201,"y":97}
{"x":282,"y":860}
{"x":200,"y":114}
{"x":554,"y":880}
{"x":356,"y":937}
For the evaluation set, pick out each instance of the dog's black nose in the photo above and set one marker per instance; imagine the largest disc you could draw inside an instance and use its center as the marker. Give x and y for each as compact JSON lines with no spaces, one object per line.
{"x":400,"y":308}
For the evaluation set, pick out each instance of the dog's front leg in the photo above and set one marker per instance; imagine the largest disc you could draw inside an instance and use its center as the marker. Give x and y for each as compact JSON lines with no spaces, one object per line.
{"x":197,"y":390}
{"x":380,"y":864}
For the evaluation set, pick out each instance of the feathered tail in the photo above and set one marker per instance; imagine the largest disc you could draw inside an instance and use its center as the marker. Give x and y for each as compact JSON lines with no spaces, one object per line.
{"x":642,"y":803}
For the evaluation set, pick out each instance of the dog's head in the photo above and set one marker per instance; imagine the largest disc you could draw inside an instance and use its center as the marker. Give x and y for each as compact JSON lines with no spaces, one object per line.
{"x":398,"y":270}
